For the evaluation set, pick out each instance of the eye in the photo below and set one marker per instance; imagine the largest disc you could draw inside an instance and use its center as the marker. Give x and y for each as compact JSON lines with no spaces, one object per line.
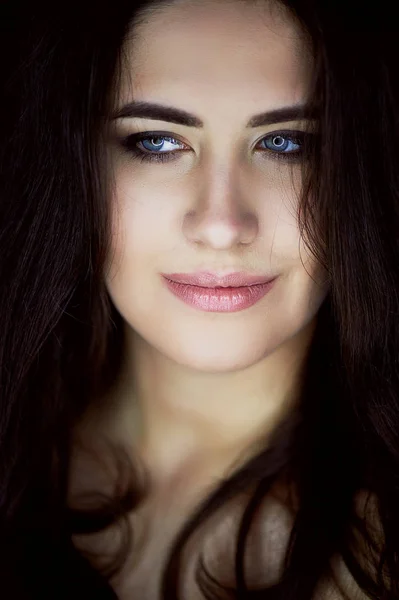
{"x":286,"y":145}
{"x":279,"y":143}
{"x":158,"y":144}
{"x":153,"y":146}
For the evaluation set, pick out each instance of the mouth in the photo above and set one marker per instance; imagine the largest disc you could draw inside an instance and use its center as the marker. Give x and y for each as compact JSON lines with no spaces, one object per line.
{"x":210,"y":292}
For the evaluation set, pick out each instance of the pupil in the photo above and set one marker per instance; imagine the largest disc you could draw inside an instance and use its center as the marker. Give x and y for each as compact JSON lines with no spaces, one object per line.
{"x":154,"y":141}
{"x":278,"y":141}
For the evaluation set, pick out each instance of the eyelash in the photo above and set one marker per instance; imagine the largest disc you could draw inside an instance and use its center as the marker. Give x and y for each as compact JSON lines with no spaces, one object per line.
{"x":131,"y":141}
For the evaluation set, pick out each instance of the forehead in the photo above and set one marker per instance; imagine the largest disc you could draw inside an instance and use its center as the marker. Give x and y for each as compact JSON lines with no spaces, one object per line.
{"x":229,"y":49}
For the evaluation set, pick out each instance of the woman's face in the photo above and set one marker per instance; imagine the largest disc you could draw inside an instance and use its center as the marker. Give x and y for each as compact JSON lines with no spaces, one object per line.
{"x":216,"y":192}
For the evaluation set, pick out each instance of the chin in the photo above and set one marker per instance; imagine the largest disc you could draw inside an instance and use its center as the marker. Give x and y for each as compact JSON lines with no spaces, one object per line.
{"x":216,"y":362}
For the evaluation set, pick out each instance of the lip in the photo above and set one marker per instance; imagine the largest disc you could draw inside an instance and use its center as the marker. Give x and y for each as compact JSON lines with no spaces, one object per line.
{"x":207,"y":279}
{"x":211,"y":292}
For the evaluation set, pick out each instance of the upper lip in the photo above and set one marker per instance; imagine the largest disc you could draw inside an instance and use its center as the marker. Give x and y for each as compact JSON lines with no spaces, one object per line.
{"x":211,"y":280}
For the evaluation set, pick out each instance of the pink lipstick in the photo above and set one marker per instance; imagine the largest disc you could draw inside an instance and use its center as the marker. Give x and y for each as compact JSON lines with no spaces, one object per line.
{"x":210,"y":292}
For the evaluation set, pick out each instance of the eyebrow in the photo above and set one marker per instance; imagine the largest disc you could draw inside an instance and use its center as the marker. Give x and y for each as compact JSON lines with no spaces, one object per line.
{"x":158,"y":112}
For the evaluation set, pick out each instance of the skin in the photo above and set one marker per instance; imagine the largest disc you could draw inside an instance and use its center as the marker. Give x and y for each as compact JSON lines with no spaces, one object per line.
{"x":200,"y":388}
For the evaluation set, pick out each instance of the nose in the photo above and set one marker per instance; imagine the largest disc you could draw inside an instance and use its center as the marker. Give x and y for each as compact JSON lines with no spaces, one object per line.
{"x":220,"y":216}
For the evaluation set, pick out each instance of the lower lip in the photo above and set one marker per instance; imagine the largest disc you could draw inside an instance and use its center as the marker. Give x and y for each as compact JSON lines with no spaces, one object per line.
{"x":219,"y":299}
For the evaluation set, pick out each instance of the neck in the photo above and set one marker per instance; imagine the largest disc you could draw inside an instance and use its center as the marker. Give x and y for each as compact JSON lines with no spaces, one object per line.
{"x":177,"y":415}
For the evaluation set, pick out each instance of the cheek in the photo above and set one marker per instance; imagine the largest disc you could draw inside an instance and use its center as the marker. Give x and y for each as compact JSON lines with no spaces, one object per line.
{"x":142,"y":221}
{"x":279,"y":233}
{"x":276,"y":190}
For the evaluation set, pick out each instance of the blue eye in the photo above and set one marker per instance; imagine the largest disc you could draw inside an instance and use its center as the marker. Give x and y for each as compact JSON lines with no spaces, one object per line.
{"x":158,"y":147}
{"x":158,"y":143}
{"x":153,"y":147}
{"x":284,"y":143}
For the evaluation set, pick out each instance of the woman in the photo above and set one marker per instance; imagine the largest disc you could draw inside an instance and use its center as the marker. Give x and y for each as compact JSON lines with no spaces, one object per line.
{"x":199,"y":266}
